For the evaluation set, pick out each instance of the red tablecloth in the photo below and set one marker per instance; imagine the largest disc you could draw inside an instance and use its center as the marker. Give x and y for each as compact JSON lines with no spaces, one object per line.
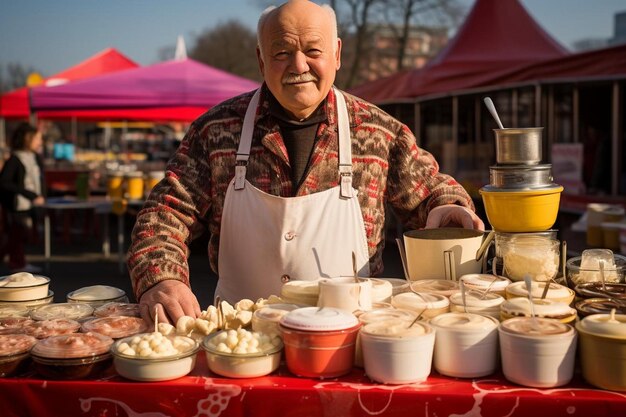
{"x":281,"y":394}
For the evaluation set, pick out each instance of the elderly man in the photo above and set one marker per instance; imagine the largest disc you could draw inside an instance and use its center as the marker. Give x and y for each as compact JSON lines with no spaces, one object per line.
{"x":291,"y":179}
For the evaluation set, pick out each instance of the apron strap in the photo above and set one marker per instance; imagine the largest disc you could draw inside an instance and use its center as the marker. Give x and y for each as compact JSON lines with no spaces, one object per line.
{"x":245,"y":141}
{"x":345,"y":146}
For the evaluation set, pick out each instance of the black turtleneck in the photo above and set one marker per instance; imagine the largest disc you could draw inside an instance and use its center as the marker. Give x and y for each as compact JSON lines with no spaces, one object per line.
{"x":299,"y":137}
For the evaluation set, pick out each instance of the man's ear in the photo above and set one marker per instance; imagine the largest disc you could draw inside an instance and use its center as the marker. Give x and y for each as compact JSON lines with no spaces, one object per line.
{"x":338,"y":55}
{"x":260,"y":60}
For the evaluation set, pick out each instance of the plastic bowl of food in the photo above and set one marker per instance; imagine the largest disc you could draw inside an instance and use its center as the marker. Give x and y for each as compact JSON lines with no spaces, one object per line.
{"x":612,"y":274}
{"x":43,"y":329}
{"x":13,"y":325}
{"x":62,"y":311}
{"x":23,"y":286}
{"x":116,"y":327}
{"x":242,"y":354}
{"x":521,"y":211}
{"x":14,"y":311}
{"x":154,"y":357}
{"x":117,"y":309}
{"x":72,"y":356}
{"x":14,"y":353}
{"x":97,"y":295}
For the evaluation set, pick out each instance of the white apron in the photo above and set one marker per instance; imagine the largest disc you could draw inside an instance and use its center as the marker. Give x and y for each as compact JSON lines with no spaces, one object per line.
{"x":266,"y":240}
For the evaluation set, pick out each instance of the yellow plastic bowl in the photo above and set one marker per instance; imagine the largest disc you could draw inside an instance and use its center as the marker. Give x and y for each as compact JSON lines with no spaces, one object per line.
{"x":522,"y":211}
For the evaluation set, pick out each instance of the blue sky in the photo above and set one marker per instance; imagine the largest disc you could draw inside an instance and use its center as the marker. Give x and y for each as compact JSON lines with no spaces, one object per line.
{"x":51,"y":35}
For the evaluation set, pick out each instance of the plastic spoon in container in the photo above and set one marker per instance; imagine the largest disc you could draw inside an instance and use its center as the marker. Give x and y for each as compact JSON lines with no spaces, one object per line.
{"x":601,"y":266}
{"x":462,"y":285}
{"x":492,"y":110}
{"x":486,"y":290}
{"x":356,"y":278}
{"x":529,"y":288}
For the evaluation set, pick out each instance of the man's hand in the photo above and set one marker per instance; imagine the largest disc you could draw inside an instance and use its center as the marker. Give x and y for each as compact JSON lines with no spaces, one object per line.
{"x":453,"y":215}
{"x":172,"y":299}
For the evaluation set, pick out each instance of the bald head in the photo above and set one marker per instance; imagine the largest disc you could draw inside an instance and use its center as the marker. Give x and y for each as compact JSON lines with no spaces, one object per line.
{"x":298,"y":6}
{"x":299,"y":54}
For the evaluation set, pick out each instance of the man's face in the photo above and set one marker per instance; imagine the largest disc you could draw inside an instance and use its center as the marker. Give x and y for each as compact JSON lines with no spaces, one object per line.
{"x":299,"y":59}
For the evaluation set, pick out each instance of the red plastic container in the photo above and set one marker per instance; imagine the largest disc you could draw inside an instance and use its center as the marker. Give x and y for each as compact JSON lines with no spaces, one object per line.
{"x":319,"y":343}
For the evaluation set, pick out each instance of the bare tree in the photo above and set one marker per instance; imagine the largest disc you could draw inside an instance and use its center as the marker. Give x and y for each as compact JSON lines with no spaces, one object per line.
{"x":230,"y":46}
{"x":15,"y":77}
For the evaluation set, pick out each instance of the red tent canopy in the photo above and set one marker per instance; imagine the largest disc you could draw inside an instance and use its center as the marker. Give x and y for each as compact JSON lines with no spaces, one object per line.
{"x":173,"y":90}
{"x":496,"y":36}
{"x":14,"y":104}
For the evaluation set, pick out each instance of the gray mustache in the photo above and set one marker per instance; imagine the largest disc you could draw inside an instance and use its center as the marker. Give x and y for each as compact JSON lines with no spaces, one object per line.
{"x":299,"y":78}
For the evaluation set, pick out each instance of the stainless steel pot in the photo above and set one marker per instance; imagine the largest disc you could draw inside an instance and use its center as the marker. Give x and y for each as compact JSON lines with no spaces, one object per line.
{"x":518,"y":146}
{"x":520,"y":176}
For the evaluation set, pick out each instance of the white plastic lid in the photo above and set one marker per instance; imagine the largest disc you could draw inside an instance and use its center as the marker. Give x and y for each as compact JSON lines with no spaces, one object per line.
{"x":295,"y":289}
{"x":555,"y":290}
{"x":273,"y":312}
{"x":464,"y":321}
{"x":483,"y":281}
{"x":396,"y":329}
{"x":434,"y":286}
{"x":536,"y":326}
{"x":117,"y":309}
{"x":115,"y":327}
{"x":477,"y":299}
{"x":319,"y":319}
{"x":387,"y":314}
{"x":413,"y":301}
{"x":381,"y":289}
{"x":543,"y":308}
{"x":605,"y":324}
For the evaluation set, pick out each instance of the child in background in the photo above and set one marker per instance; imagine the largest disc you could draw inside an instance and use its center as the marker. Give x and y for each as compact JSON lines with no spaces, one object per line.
{"x":21,"y":189}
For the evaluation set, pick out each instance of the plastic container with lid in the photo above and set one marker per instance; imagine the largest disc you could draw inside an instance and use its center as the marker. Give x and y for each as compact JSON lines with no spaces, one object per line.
{"x":300,"y":292}
{"x":23,"y":286}
{"x":537,"y":352}
{"x":577,"y":274}
{"x":466,"y":344}
{"x":72,"y":356}
{"x":117,"y":309}
{"x":252,"y":355}
{"x":555,"y":292}
{"x":265,"y":319}
{"x":47,"y":328}
{"x":154,"y":357}
{"x":14,"y":353}
{"x":97,"y":295}
{"x":477,"y":302}
{"x":319,"y":342}
{"x":73,"y":311}
{"x":382,"y":290}
{"x":377,"y":315}
{"x":14,"y":311}
{"x":345,"y":293}
{"x":445,"y":287}
{"x":11,"y":325}
{"x":398,"y":285}
{"x":115,"y":327}
{"x":429,"y":305}
{"x":549,"y":309}
{"x":483,"y":282}
{"x":603,"y":350}
{"x":396,"y":352}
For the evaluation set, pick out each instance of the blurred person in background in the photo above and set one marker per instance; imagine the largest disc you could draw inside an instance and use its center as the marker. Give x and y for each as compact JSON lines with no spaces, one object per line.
{"x":289,"y":180}
{"x":21,"y":190}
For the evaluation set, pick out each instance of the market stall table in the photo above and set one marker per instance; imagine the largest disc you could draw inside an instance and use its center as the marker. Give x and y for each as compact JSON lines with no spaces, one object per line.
{"x":101,"y":205}
{"x":281,"y":394}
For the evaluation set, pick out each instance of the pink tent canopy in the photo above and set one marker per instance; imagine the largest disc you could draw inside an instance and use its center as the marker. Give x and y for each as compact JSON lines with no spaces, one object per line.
{"x":184,"y":84}
{"x":497,"y":35}
{"x":14,"y":104}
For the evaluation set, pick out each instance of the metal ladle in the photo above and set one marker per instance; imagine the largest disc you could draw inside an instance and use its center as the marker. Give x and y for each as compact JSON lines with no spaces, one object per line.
{"x":492,"y":110}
